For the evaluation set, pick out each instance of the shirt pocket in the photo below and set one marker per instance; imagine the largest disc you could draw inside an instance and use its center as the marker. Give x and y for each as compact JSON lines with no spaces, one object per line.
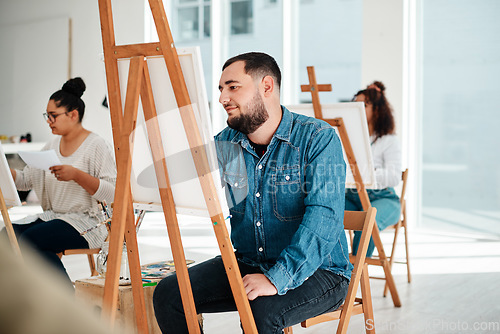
{"x":236,"y":191}
{"x":287,"y":194}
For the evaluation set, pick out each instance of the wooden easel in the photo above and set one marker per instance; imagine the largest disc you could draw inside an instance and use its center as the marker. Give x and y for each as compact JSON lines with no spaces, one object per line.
{"x":8,"y":225}
{"x":123,"y":123}
{"x":382,"y":261}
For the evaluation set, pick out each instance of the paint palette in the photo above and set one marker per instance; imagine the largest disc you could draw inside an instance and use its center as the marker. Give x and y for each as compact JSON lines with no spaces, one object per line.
{"x":160,"y":269}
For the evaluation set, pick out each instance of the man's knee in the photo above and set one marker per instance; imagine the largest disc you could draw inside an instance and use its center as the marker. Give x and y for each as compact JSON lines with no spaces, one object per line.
{"x":266,"y":318}
{"x":166,"y":294}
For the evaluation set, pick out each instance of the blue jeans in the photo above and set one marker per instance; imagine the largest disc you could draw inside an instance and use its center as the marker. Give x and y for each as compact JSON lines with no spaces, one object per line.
{"x":388,"y":212}
{"x":48,"y":239}
{"x":324,"y":291}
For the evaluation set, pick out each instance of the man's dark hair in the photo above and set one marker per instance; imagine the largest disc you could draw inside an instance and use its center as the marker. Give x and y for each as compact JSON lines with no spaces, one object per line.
{"x":258,"y":65}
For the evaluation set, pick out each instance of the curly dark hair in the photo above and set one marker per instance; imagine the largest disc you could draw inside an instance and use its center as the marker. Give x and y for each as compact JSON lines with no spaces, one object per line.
{"x":383,"y":120}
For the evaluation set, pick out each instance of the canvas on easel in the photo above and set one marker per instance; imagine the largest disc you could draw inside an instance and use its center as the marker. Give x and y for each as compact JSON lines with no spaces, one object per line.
{"x":8,"y":198}
{"x":186,"y":189}
{"x":359,"y":161}
{"x":141,"y":87}
{"x":354,"y":118}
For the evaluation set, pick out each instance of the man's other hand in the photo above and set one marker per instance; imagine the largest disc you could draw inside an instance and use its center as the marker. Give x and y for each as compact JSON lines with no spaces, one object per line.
{"x":258,"y":285}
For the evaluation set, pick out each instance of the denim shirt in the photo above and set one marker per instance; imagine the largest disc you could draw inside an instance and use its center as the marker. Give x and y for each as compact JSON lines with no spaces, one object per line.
{"x":287,"y":207}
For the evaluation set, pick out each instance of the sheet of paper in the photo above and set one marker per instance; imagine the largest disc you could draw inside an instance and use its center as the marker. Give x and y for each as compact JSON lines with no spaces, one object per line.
{"x":40,"y":160}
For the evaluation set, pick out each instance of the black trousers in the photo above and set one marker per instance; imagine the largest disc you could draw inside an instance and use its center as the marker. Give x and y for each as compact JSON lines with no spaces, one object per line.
{"x":49,"y":238}
{"x":324,"y":291}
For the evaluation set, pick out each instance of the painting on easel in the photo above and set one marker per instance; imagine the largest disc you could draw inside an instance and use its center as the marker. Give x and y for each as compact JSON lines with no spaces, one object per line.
{"x":8,"y":198}
{"x":353,"y":114}
{"x":184,"y":182}
{"x":7,"y":185}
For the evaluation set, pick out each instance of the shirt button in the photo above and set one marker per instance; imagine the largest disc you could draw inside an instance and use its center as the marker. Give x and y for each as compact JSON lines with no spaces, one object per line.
{"x":236,"y":184}
{"x":261,"y":249}
{"x":257,"y":195}
{"x":287,"y":177}
{"x":260,"y":166}
{"x":258,"y":224}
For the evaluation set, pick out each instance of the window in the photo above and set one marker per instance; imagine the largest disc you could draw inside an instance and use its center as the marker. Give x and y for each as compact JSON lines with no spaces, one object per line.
{"x":241,"y":17}
{"x":193,"y":18}
{"x":460,"y":69}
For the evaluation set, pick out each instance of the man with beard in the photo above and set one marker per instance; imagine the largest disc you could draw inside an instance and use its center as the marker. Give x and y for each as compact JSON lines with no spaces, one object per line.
{"x":284,"y":177}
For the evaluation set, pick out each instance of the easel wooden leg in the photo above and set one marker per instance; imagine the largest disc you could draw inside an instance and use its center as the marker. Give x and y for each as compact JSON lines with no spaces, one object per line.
{"x":367,"y":301}
{"x":385,"y":265}
{"x":168,"y":204}
{"x":406,"y":245}
{"x":93,"y":271}
{"x":357,"y":276}
{"x":233,"y":274}
{"x":8,"y":226}
{"x":135,"y":271}
{"x":123,"y":200}
{"x":393,"y":254}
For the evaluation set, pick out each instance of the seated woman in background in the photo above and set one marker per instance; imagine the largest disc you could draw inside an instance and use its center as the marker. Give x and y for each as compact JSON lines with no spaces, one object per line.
{"x":386,"y":153}
{"x":69,"y":193}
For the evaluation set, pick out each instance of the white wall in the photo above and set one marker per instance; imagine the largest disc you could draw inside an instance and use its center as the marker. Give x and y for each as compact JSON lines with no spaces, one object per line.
{"x":86,"y":58}
{"x":382,"y":51}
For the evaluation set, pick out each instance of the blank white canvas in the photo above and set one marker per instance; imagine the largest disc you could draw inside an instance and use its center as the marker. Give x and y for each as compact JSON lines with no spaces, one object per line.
{"x":186,"y":188}
{"x":7,"y":185}
{"x":354,"y":117}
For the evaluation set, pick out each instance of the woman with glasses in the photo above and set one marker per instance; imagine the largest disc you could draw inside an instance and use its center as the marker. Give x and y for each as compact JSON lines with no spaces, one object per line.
{"x":69,"y":193}
{"x":386,"y":153}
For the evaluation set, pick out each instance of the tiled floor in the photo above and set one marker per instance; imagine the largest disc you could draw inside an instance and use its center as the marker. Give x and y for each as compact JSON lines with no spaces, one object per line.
{"x":455,"y":287}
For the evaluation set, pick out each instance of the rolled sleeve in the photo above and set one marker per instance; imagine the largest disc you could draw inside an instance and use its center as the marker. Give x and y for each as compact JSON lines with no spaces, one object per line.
{"x":104,"y":168}
{"x":105,"y":192}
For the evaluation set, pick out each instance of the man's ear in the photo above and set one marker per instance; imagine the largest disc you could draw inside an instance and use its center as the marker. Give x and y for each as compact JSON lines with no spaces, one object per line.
{"x":268,"y":84}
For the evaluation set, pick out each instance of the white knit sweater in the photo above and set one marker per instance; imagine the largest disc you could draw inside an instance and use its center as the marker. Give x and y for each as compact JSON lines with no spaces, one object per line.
{"x":386,"y":153}
{"x":68,"y":201}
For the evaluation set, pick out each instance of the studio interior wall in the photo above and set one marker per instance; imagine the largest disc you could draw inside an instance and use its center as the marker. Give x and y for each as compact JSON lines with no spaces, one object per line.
{"x":43,"y":64}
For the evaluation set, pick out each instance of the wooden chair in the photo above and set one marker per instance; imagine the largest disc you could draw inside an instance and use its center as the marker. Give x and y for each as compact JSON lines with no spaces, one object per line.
{"x":93,"y":251}
{"x":400,"y":224}
{"x":84,"y":251}
{"x":358,"y":221}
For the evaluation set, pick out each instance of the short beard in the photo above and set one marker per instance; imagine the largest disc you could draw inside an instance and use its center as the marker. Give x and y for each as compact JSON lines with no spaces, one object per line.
{"x":255,"y":115}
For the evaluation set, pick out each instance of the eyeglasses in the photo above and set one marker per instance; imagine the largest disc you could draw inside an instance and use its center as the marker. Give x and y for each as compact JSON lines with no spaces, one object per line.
{"x":52,"y":117}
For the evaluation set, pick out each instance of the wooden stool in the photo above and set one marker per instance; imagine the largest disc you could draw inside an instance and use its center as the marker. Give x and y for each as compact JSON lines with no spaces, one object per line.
{"x":92,"y":290}
{"x":90,"y":252}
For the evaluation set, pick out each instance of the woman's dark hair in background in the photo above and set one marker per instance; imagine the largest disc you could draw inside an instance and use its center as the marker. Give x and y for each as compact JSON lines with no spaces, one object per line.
{"x":383,"y":120}
{"x":69,"y":96}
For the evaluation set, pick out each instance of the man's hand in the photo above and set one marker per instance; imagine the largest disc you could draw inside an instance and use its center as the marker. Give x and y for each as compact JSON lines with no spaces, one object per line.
{"x":258,"y":285}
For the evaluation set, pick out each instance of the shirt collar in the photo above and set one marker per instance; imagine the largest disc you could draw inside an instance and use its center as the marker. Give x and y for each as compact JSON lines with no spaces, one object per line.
{"x":282,"y":132}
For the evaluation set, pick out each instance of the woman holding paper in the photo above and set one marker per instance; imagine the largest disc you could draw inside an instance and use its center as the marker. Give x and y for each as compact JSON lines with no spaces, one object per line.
{"x":69,"y":192}
{"x":386,"y":153}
